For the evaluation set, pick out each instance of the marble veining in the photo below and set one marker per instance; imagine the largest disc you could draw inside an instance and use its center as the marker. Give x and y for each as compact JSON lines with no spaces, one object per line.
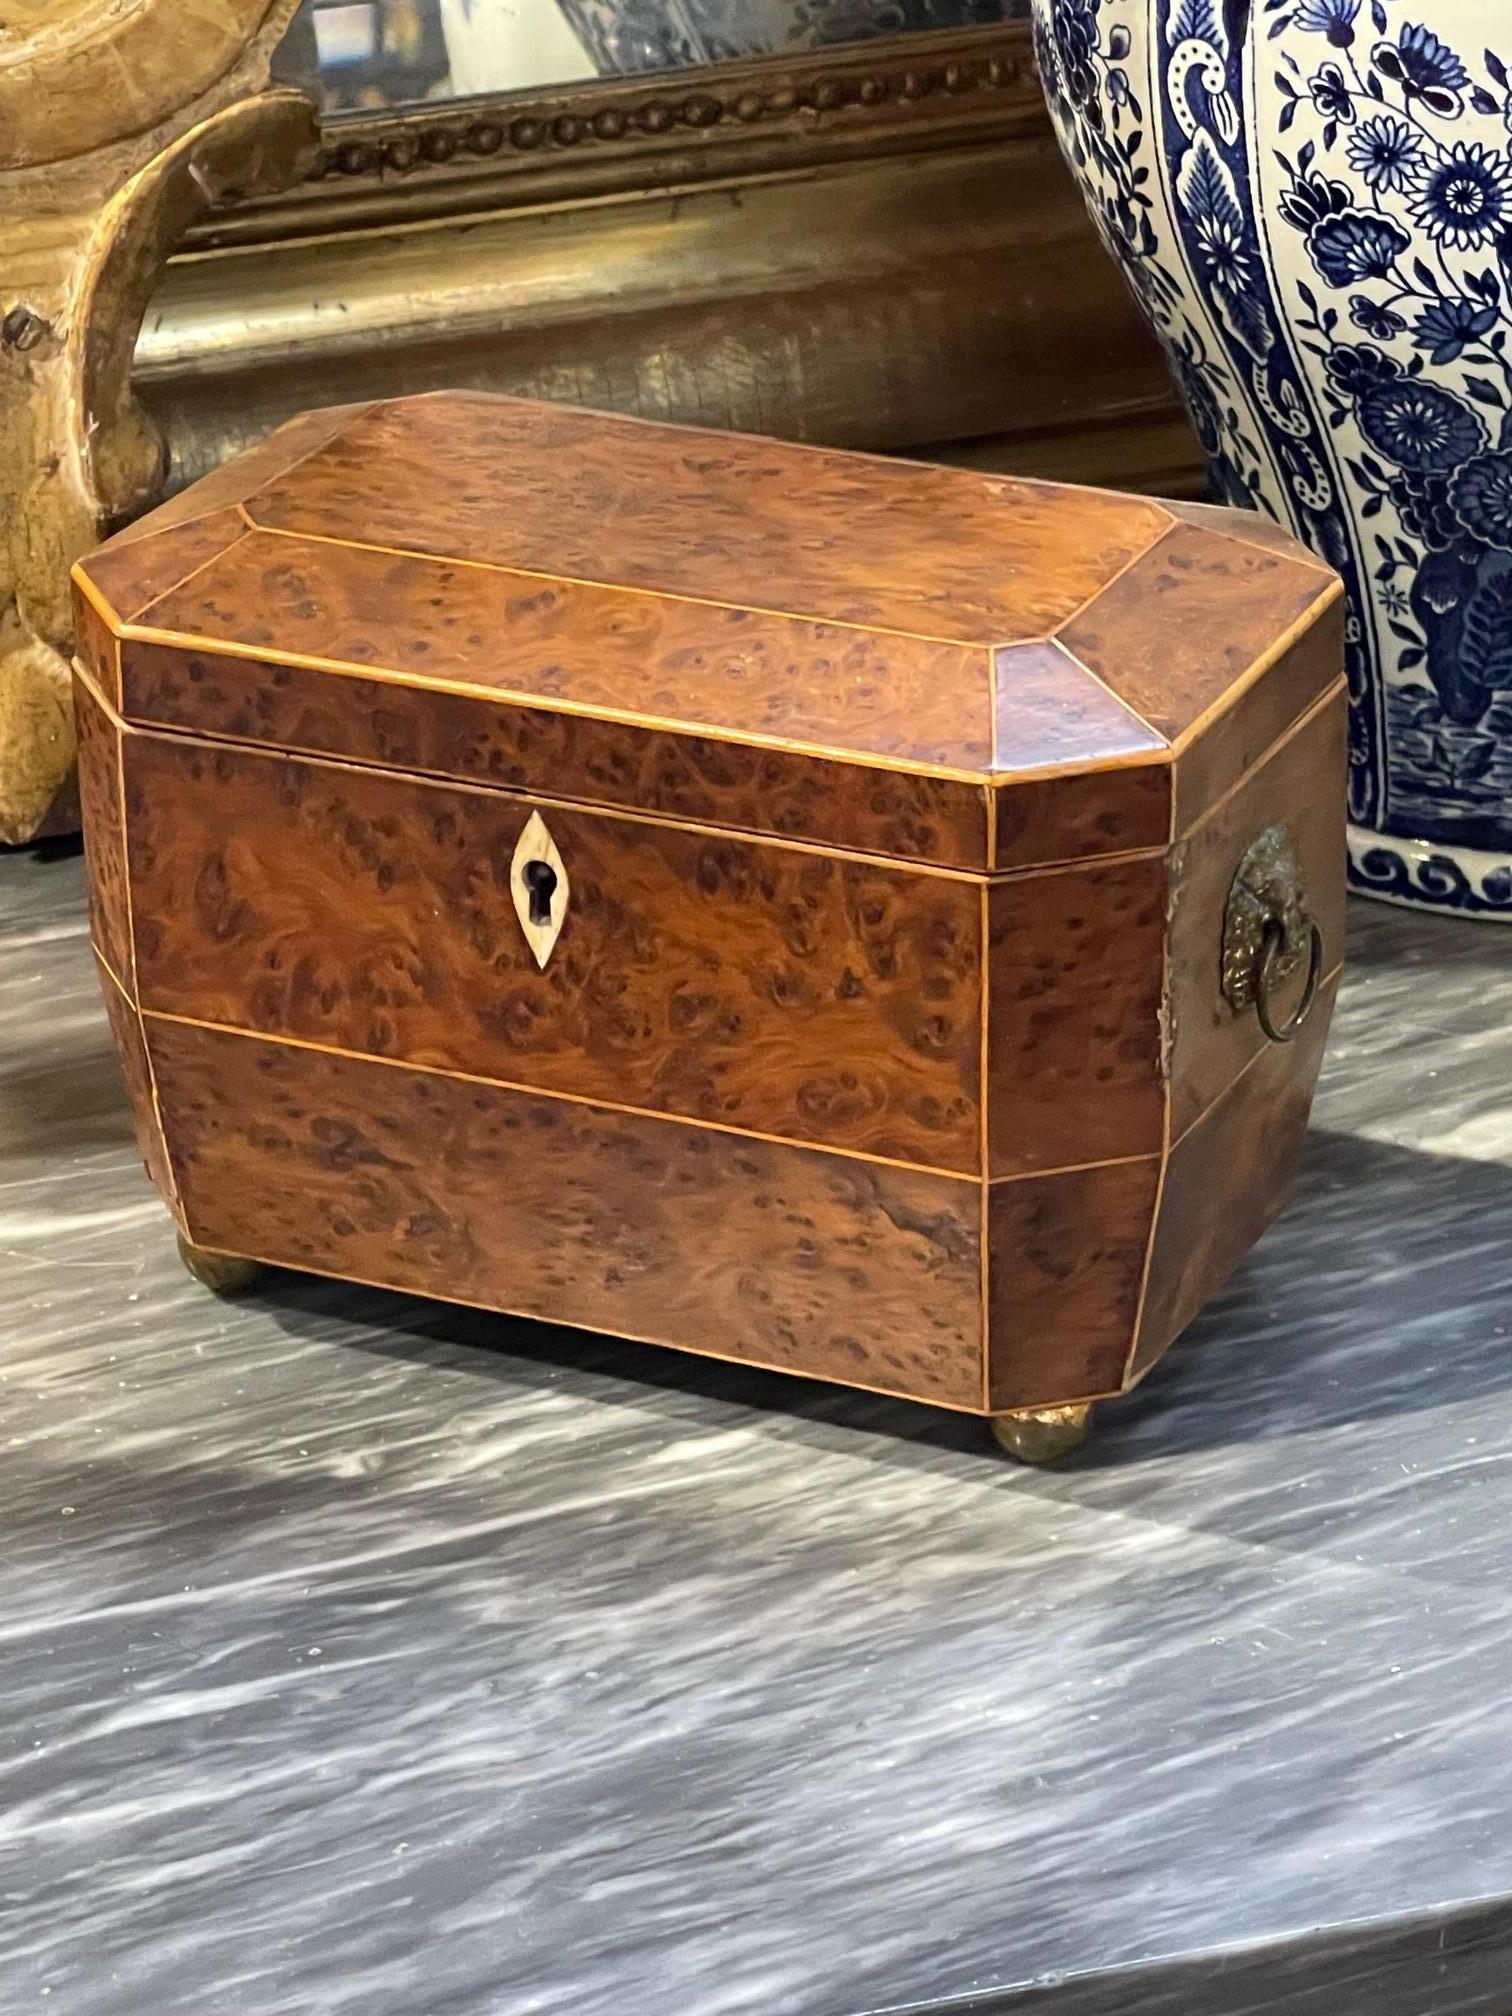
{"x":363,"y":1655}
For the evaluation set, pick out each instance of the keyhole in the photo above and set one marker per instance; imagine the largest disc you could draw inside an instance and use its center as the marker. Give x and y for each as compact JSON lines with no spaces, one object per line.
{"x":541,"y":881}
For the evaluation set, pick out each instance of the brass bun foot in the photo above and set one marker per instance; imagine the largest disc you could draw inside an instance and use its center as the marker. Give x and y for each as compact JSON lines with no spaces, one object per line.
{"x":1043,"y":1434}
{"x":221,"y":1273}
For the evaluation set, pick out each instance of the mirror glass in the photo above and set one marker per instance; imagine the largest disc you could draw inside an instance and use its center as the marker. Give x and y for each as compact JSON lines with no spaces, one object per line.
{"x":365,"y":55}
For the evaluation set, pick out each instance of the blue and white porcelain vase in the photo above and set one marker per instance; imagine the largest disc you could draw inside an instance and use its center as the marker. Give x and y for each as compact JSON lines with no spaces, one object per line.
{"x":1312,"y":200}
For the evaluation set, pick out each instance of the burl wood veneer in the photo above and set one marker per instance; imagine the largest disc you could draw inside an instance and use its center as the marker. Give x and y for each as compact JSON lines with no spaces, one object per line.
{"x":754,"y":899}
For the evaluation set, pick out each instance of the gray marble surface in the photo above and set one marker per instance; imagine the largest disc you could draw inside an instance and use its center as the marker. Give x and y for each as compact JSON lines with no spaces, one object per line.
{"x":362,"y":1655}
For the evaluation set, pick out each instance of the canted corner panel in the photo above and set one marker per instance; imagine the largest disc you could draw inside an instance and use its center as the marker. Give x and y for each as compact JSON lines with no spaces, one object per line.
{"x":727,"y":981}
{"x":1300,"y":787}
{"x":136,"y":1072}
{"x":641,"y":1227}
{"x":234,"y":483}
{"x":1065,"y":1269}
{"x":165,"y":546}
{"x":1050,"y":710}
{"x":1259,"y":717}
{"x":137,"y":567}
{"x":1178,"y":630}
{"x":1228,"y":1177}
{"x":1075,"y":1016}
{"x":100,"y":807}
{"x":96,"y":647}
{"x":1250,"y":528}
{"x":1078,"y":774}
{"x":1061,"y":816}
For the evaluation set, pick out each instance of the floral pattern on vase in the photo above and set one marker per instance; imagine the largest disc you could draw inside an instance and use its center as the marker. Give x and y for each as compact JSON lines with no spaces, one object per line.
{"x":635,"y":35}
{"x":1313,"y":202}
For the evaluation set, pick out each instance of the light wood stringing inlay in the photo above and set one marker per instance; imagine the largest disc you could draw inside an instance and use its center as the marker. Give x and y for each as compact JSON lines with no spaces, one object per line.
{"x":792,"y":994}
{"x":795,"y":1259}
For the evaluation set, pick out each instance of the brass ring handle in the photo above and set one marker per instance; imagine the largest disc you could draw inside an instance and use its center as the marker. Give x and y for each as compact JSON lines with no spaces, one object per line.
{"x":1269,"y":934}
{"x":1275,"y":939}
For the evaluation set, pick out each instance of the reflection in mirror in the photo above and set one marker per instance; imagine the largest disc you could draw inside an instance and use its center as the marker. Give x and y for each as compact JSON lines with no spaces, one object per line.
{"x":356,"y":55}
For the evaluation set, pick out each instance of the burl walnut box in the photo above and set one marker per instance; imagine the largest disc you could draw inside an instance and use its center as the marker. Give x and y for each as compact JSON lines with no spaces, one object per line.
{"x":870,"y":920}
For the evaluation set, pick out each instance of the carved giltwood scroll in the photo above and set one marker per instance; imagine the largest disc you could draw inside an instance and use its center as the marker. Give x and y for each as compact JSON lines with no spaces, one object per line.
{"x":118,"y":129}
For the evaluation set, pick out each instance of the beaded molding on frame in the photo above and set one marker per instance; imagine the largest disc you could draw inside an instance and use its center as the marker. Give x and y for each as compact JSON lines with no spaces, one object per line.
{"x":736,"y":94}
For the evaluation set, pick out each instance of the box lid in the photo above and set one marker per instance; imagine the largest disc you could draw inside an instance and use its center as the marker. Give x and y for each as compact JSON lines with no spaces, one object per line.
{"x":930,"y":663}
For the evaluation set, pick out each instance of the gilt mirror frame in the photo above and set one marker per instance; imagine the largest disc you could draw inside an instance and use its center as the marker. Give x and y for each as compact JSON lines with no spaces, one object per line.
{"x":737,"y":117}
{"x":869,"y":243}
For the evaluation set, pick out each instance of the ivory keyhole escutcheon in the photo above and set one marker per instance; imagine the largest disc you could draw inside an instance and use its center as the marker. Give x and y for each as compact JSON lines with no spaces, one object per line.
{"x":540,"y":888}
